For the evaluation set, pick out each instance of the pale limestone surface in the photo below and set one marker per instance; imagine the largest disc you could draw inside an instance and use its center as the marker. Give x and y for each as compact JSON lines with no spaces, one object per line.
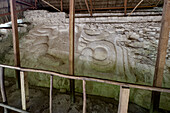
{"x":123,"y":51}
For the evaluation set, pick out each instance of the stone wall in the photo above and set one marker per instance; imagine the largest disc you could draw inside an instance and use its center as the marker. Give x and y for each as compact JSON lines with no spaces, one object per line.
{"x":114,"y":48}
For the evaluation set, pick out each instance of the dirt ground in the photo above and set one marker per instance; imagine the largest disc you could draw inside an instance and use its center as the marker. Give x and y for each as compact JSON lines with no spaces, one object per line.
{"x":39,"y":101}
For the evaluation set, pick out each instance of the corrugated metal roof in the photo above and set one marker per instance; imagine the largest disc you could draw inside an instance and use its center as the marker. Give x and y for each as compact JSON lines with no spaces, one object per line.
{"x":80,"y":5}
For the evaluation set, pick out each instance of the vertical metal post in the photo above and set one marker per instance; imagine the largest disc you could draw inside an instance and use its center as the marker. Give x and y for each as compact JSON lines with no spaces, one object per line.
{"x":51,"y":94}
{"x":71,"y":48}
{"x":161,"y":56}
{"x":123,"y":100}
{"x":24,"y":90}
{"x":84,"y":96}
{"x":3,"y":93}
{"x":15,"y":39}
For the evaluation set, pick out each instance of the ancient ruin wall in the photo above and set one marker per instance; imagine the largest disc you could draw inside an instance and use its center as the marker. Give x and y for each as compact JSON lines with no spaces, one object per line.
{"x":115,"y":48}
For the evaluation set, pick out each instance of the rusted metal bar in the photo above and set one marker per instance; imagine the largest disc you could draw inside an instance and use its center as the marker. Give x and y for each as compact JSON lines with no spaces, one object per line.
{"x":71,"y":47}
{"x":107,"y":8}
{"x":136,"y":7}
{"x":91,"y":8}
{"x":123,"y":99}
{"x":61,"y":3}
{"x":50,"y":5}
{"x":87,"y":5}
{"x":51,"y":94}
{"x":112,"y":82}
{"x":13,"y":108}
{"x":161,"y":56}
{"x":125,"y":7}
{"x":3,"y":93}
{"x":24,"y":90}
{"x":84,"y":96}
{"x":15,"y":40}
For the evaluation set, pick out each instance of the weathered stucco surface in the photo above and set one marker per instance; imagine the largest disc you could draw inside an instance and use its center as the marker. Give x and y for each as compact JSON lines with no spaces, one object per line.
{"x":123,"y":49}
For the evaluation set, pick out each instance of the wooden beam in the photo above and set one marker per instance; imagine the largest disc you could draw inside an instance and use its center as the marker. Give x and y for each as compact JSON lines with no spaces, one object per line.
{"x":161,"y":56}
{"x":84,"y":96}
{"x":2,"y":85}
{"x":61,"y":3}
{"x":24,"y":90}
{"x":136,"y":7}
{"x":91,"y":8}
{"x":51,"y":94}
{"x":8,"y":6}
{"x":112,"y":82}
{"x":107,"y":8}
{"x":35,"y":4}
{"x":51,"y":5}
{"x":15,"y":39}
{"x":125,"y":7}
{"x":71,"y":47}
{"x":87,"y":5}
{"x":123,"y":100}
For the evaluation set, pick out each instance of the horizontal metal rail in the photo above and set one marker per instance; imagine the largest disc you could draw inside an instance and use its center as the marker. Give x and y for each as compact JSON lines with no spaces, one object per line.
{"x":13,"y":108}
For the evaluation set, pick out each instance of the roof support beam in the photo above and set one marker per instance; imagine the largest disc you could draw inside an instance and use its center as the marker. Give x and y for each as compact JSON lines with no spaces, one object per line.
{"x":136,"y":7}
{"x":51,"y":5}
{"x":91,"y":8}
{"x":87,"y":5}
{"x":15,"y":40}
{"x":71,"y":48}
{"x":161,"y":55}
{"x":125,"y":7}
{"x":61,"y":3}
{"x":107,"y":8}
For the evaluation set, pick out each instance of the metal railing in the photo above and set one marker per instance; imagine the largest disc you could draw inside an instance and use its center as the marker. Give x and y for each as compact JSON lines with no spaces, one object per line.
{"x":124,"y":88}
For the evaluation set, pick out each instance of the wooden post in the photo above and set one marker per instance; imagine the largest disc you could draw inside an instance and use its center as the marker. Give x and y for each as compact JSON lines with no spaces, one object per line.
{"x":84,"y":96}
{"x":15,"y":40}
{"x":87,"y":5}
{"x":71,"y":48}
{"x":125,"y":7}
{"x":24,"y":90}
{"x":123,"y":100}
{"x":161,"y":55}
{"x":3,"y":93}
{"x":91,"y":8}
{"x":61,"y":2}
{"x":51,"y":94}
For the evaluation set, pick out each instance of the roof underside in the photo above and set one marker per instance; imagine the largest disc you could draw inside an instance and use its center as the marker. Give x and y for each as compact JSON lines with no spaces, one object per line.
{"x":81,"y":6}
{"x":102,"y":4}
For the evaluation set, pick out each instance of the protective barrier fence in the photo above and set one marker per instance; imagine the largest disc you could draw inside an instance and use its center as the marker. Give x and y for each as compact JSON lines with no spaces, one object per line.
{"x":123,"y":98}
